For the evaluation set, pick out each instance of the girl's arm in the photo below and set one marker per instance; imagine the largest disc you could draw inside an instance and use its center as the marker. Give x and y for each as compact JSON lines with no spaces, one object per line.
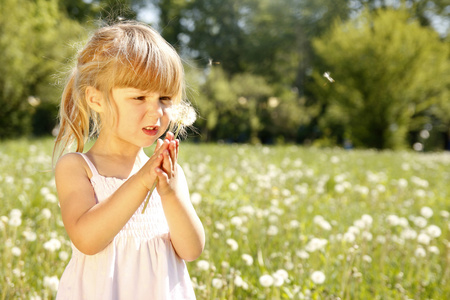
{"x":92,"y":226}
{"x":186,"y":230}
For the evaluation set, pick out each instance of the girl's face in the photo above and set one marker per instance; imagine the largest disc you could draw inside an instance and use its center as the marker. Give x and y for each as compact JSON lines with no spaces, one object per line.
{"x":142,"y":117}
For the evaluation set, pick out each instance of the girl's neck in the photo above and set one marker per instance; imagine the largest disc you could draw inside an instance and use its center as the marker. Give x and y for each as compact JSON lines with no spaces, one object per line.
{"x":107,"y":146}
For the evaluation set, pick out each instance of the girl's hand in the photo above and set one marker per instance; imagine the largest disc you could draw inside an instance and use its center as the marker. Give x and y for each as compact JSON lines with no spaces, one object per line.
{"x":167,"y":172}
{"x":147,"y":174}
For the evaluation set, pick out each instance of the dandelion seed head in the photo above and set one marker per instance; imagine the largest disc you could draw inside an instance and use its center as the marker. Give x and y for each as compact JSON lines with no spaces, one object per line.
{"x":233,"y":244}
{"x":203,"y":265}
{"x":434,"y":250}
{"x":236,"y":221}
{"x":302,"y":254}
{"x":15,"y":213}
{"x":434,"y":231}
{"x":367,"y":258}
{"x":248,"y":259}
{"x":266,"y":280}
{"x":318,"y":277}
{"x":445,"y":214}
{"x":423,"y":238}
{"x":426,"y":212}
{"x":52,"y":245}
{"x":408,"y":234}
{"x":196,"y":198}
{"x":272,"y":230}
{"x":393,"y":220}
{"x":278,"y":280}
{"x":46,"y":213}
{"x":51,"y":283}
{"x":16,"y":251}
{"x":420,"y":222}
{"x":316,"y":244}
{"x":183,"y":115}
{"x":63,"y":255}
{"x":15,"y":221}
{"x":217,"y":283}
{"x":420,"y":252}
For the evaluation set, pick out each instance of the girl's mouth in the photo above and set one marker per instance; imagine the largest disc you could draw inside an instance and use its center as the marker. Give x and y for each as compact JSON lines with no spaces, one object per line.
{"x":150,"y":130}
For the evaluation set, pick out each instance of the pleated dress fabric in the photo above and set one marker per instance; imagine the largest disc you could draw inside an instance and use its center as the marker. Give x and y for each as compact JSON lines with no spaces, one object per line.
{"x":140,"y":263}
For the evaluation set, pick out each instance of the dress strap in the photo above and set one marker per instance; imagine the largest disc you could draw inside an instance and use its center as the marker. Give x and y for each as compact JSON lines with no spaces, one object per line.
{"x":90,"y":164}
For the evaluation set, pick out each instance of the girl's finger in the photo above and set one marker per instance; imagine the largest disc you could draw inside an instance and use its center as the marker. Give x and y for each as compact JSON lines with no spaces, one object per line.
{"x":167,"y":164}
{"x":173,"y":151}
{"x":177,"y":141}
{"x":170,"y":136}
{"x":159,"y":142}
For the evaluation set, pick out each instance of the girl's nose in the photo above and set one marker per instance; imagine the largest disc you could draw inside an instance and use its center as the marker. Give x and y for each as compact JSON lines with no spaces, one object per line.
{"x":154,"y":109}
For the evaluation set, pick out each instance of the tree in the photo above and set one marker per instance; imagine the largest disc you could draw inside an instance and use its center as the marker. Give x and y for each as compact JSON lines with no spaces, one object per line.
{"x":389,"y":73}
{"x":32,"y":52}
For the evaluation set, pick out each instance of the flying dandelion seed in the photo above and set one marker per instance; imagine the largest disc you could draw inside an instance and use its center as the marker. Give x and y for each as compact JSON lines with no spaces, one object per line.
{"x":327,"y":76}
{"x":211,"y":62}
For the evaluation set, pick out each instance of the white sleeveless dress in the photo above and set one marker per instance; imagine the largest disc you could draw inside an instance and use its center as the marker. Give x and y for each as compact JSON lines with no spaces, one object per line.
{"x":140,"y":263}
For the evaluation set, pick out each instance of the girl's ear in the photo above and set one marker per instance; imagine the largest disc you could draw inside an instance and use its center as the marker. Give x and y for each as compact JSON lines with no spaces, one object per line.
{"x":94,"y":99}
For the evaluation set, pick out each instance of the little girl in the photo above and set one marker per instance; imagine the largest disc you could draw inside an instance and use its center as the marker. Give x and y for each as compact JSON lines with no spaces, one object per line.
{"x":125,"y":81}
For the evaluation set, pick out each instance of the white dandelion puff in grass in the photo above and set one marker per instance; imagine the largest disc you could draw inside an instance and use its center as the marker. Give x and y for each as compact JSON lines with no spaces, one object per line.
{"x":272,"y":230}
{"x":52,"y":245}
{"x":393,"y":220}
{"x":266,"y":280}
{"x":434,"y":231}
{"x":46,"y":213}
{"x":248,"y":259}
{"x":420,"y":252}
{"x":203,"y":265}
{"x":367,"y":259}
{"x":239,"y":282}
{"x":420,"y":222}
{"x":15,"y":222}
{"x":236,"y":221}
{"x":196,"y":198}
{"x":434,"y":250}
{"x":29,"y":235}
{"x":217,"y":283}
{"x":16,"y":251}
{"x":318,"y":277}
{"x":51,"y":283}
{"x":233,"y":244}
{"x":423,"y":238}
{"x":322,"y":223}
{"x":316,"y":244}
{"x":302,"y":254}
{"x":445,"y":214}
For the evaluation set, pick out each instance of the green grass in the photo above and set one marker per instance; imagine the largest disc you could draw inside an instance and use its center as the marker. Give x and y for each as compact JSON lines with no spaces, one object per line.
{"x":374,"y":239}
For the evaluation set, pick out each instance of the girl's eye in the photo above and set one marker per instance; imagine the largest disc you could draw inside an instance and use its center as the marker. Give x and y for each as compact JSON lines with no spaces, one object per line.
{"x":141,"y":98}
{"x":167,"y":100}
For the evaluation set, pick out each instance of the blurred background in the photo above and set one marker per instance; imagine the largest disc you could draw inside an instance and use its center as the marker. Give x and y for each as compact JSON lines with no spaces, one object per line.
{"x":348,"y":73}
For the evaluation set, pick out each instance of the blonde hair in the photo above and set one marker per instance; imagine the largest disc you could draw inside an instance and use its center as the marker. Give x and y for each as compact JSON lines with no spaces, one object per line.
{"x":128,"y":54}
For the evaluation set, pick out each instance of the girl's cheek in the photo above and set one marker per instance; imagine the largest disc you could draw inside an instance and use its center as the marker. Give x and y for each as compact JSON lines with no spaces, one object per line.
{"x":167,"y":113}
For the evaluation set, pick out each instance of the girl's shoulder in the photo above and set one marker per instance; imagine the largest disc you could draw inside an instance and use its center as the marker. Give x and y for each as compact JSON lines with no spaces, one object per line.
{"x":72,"y":163}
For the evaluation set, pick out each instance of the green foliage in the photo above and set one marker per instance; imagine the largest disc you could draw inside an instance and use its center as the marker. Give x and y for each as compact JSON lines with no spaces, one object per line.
{"x":31,"y":35}
{"x":246,"y":108}
{"x":389,"y":73}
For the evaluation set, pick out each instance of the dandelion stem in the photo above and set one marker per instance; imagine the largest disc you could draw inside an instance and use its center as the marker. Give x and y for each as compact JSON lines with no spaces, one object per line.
{"x":147,"y":198}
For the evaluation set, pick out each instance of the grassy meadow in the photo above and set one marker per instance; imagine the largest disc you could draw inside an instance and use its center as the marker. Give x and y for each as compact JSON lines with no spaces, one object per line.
{"x":282,"y":222}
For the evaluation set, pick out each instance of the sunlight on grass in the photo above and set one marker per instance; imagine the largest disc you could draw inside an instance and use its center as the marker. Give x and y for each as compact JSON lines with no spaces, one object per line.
{"x":282,"y":222}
